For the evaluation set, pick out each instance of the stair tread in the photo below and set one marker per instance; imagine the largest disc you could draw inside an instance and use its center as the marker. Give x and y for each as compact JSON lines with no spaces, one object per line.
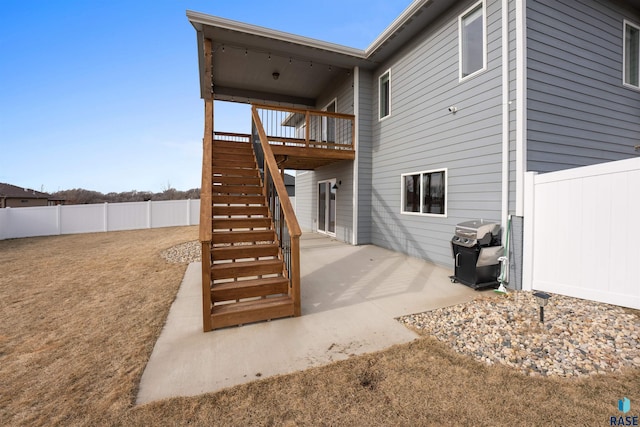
{"x":231,"y":270}
{"x":245,"y":251}
{"x":235,"y":180}
{"x":244,"y":219}
{"x":235,"y":164}
{"x":258,"y":222}
{"x":243,"y":289}
{"x":237,"y":232}
{"x":237,"y":189}
{"x":239,"y":210}
{"x":246,"y":264}
{"x":224,"y":171}
{"x":234,"y":248}
{"x":257,"y":304}
{"x":252,"y":198}
{"x":233,"y":144}
{"x":248,"y":283}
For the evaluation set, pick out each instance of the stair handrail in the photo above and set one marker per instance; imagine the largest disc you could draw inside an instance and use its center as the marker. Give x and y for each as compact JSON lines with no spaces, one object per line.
{"x":271,"y":169}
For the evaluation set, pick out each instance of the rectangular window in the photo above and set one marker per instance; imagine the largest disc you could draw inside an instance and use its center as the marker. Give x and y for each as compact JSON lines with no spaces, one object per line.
{"x":472,"y":41}
{"x":631,"y":54}
{"x":425,"y":192}
{"x":411,"y":193}
{"x":384,"y":91}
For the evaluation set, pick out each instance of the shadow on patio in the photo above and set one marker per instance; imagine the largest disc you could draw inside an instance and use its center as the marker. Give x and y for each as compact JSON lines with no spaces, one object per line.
{"x":337,"y":275}
{"x":350,"y":298}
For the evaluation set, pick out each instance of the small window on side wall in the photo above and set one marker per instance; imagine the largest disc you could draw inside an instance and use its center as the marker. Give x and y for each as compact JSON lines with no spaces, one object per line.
{"x":631,"y":73}
{"x":472,"y":41}
{"x":425,"y":193}
{"x":384,"y":90}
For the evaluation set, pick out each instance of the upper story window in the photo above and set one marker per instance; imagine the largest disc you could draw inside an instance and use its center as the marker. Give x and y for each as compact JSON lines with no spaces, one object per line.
{"x":631,"y":72}
{"x":384,"y":91}
{"x":472,"y":36}
{"x":425,"y":193}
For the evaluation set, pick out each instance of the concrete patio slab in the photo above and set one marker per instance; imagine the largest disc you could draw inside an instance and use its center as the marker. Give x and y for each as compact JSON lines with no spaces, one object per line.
{"x":350,"y":297}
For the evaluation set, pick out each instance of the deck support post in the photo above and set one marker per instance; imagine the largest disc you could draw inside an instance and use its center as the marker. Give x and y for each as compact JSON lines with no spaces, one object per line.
{"x":294,"y":274}
{"x":206,"y":194}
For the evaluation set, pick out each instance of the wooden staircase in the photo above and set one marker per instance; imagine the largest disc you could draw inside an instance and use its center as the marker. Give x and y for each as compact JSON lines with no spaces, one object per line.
{"x":248,"y":277}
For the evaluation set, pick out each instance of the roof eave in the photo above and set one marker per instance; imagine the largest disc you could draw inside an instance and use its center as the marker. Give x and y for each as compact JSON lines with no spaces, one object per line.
{"x":198,"y":20}
{"x":395,"y":26}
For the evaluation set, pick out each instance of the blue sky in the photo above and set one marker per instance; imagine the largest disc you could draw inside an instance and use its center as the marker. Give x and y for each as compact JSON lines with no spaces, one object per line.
{"x":103,"y":94}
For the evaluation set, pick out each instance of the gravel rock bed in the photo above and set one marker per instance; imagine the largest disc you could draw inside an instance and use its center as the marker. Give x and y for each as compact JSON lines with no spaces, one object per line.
{"x":188,"y":252}
{"x":183,"y":253}
{"x":579,"y":338}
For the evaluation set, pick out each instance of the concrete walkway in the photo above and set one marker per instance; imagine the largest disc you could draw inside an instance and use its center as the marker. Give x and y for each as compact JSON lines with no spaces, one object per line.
{"x":350,"y":297}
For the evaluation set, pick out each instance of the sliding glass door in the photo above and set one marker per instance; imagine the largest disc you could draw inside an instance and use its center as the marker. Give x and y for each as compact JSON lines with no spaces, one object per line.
{"x":327,"y":207}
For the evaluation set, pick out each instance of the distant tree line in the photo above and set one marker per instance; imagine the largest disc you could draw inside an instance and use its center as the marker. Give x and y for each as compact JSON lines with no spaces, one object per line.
{"x":80,"y":196}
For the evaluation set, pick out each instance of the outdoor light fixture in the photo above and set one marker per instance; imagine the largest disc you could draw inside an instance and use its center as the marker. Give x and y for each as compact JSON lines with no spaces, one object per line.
{"x":335,"y":186}
{"x":542,"y":300}
{"x":275,"y":75}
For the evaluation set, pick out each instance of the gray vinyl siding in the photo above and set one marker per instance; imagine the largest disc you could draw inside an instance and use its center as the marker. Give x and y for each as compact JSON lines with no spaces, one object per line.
{"x":421,"y":134}
{"x":341,"y":171}
{"x":342,"y":89}
{"x":579,"y":113}
{"x":307,"y":198}
{"x":307,"y":181}
{"x":364,"y":155}
{"x":304,"y":199}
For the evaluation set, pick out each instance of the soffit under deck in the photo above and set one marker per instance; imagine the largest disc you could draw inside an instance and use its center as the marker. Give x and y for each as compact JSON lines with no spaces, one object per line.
{"x":242,"y":71}
{"x":246,"y":56}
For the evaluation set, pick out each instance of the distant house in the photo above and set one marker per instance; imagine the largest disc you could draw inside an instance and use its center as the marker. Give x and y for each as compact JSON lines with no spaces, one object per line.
{"x":12,"y":196}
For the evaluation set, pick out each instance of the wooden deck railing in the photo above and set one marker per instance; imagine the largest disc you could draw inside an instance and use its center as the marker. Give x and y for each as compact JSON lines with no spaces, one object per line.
{"x":307,"y":128}
{"x":285,"y":221}
{"x":232,"y":136}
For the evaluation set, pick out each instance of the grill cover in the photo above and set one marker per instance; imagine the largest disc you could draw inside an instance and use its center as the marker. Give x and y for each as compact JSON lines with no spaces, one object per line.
{"x":479,"y":231}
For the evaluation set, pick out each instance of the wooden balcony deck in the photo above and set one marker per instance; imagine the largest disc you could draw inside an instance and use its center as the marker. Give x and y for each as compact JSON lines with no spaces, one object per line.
{"x":303,"y":139}
{"x":299,"y":157}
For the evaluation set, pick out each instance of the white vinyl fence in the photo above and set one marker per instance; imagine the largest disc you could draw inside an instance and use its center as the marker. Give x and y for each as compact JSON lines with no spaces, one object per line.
{"x":71,"y":219}
{"x":582,"y":232}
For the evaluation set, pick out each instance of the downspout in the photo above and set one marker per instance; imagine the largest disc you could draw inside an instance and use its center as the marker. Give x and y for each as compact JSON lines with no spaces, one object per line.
{"x":521,"y":103}
{"x":356,"y":113}
{"x":505,"y":116}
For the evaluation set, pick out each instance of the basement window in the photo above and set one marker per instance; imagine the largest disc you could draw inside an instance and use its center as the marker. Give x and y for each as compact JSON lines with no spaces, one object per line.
{"x":631,"y":73}
{"x":425,"y":193}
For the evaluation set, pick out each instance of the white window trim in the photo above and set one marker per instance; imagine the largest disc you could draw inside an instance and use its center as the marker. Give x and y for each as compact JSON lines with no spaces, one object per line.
{"x":624,"y":53}
{"x":324,"y":122}
{"x":333,"y":101}
{"x":379,"y":94}
{"x":484,"y":41}
{"x":446,"y":193}
{"x":326,"y":233}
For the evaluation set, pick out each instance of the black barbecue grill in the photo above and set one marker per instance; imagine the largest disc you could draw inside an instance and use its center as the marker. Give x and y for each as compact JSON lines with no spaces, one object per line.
{"x":476,"y":248}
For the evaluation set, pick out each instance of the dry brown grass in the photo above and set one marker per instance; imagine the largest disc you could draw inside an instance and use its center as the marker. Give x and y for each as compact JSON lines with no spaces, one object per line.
{"x":80,"y":315}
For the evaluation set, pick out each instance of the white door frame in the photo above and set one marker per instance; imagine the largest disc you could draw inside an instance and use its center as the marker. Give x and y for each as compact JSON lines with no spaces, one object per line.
{"x":324,"y":228}
{"x":325,"y":121}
